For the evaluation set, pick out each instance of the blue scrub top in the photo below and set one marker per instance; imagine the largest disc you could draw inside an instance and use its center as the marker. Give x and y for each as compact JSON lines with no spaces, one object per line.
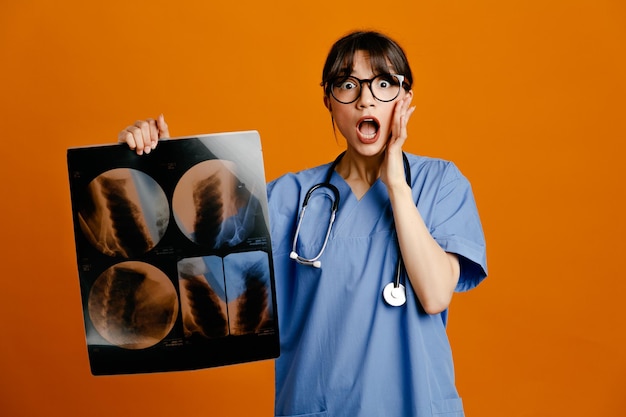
{"x":344,"y":351}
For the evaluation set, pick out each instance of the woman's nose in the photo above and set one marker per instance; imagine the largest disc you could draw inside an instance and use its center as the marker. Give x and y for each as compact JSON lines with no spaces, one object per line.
{"x":366,"y":98}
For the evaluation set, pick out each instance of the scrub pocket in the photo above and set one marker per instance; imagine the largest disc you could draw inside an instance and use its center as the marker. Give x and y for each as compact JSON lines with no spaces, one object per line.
{"x":448,"y":408}
{"x":320,"y":414}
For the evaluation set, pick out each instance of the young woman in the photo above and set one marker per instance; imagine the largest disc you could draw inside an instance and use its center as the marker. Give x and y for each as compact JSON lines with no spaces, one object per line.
{"x":363,"y":304}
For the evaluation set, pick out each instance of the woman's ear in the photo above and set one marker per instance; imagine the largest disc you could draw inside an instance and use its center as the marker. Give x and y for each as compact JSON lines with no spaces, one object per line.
{"x":327,"y":103}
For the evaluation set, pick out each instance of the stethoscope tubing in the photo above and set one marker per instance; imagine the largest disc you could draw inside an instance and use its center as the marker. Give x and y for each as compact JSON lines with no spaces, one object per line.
{"x":394,"y":293}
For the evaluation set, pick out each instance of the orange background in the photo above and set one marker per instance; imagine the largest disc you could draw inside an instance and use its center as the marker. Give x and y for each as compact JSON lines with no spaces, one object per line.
{"x":528,"y":97}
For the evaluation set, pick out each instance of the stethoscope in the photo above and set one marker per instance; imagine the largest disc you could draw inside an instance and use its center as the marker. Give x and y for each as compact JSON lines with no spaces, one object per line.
{"x":394,"y":293}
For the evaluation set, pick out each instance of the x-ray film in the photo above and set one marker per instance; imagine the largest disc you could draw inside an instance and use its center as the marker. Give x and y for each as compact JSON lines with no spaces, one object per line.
{"x":174,"y":254}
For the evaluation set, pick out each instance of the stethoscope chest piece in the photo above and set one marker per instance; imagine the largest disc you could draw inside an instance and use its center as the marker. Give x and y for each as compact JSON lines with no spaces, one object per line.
{"x":394,"y":295}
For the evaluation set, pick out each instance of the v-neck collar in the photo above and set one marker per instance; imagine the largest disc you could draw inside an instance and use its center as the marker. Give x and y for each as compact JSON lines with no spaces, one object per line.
{"x":348,"y":203}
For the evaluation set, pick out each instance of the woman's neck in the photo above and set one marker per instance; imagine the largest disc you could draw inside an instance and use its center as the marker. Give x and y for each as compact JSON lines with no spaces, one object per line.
{"x":359,"y":171}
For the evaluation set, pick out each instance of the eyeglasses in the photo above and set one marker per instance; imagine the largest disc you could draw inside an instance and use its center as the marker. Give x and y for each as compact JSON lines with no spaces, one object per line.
{"x":384,"y":87}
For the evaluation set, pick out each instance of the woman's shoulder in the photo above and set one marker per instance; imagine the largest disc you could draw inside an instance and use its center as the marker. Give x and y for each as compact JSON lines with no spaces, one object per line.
{"x":285,"y":195}
{"x":433,"y":166}
{"x":294,"y":181}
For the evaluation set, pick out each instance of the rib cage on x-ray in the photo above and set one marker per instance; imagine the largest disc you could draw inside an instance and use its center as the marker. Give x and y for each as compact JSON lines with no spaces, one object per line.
{"x":252,"y":305}
{"x":213,"y":207}
{"x":234,"y":303}
{"x":133,"y":305}
{"x":127,"y":225}
{"x":117,"y":220}
{"x":209,"y":210}
{"x":206,"y":318}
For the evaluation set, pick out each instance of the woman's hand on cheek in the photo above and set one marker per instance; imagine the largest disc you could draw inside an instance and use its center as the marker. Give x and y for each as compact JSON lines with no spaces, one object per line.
{"x":401,"y":114}
{"x":143,"y":136}
{"x":393,"y":166}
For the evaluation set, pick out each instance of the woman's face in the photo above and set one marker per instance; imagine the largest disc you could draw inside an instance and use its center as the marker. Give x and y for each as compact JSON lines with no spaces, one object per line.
{"x":366,"y":122}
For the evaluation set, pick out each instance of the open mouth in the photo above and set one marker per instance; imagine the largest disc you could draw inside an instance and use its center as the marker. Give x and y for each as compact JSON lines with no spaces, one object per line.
{"x":368,"y":129}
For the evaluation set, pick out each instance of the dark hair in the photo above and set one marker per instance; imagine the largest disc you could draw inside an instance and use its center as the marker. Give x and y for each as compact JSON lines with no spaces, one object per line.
{"x":385,"y":54}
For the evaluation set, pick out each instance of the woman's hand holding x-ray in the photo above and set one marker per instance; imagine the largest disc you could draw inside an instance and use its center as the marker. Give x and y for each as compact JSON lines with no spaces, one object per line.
{"x":143,"y":136}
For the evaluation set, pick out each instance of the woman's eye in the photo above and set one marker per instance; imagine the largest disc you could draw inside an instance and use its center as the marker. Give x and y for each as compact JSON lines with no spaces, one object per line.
{"x":387,"y":82}
{"x":348,"y":85}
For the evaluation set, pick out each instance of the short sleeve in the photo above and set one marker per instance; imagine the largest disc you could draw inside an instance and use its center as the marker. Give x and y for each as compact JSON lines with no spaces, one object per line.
{"x":455,"y":225}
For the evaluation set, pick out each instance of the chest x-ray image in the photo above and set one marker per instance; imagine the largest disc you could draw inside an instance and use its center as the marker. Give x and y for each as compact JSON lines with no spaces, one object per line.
{"x":229,"y":295}
{"x":213,"y":207}
{"x":123,"y":212}
{"x":174,"y":254}
{"x":133,"y":305}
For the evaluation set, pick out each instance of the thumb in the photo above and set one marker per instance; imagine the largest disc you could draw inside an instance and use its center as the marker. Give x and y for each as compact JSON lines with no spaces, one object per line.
{"x":164,"y":132}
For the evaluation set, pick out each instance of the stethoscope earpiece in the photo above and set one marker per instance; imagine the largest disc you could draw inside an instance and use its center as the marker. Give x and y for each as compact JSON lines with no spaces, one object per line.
{"x":316,"y":264}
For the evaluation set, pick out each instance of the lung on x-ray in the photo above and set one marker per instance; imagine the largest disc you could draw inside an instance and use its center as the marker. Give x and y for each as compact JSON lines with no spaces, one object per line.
{"x":174,"y":254}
